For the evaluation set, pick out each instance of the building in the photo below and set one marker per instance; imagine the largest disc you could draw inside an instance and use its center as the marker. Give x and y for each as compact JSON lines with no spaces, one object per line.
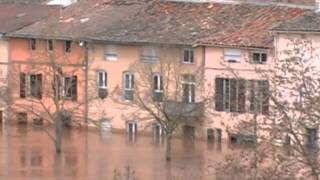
{"x":216,"y":48}
{"x":14,"y":17}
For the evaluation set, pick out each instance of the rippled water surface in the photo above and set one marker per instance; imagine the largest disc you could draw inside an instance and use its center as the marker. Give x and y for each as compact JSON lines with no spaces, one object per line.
{"x":28,"y":153}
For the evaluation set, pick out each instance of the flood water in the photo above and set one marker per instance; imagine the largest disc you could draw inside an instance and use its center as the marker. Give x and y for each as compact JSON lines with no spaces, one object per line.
{"x":28,"y":153}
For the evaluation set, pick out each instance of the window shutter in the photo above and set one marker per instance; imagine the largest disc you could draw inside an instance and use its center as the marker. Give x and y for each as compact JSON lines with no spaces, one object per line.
{"x":39,"y":85}
{"x":233,"y":95}
{"x":219,"y":94}
{"x":265,"y":98}
{"x":74,"y":88}
{"x":22,"y":85}
{"x":193,"y":93}
{"x":57,"y":87}
{"x":185,"y":92}
{"x":241,"y":95}
{"x":132,"y":81}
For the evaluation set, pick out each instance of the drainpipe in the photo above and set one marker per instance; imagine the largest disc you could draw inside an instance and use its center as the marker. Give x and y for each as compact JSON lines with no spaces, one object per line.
{"x":86,"y":72}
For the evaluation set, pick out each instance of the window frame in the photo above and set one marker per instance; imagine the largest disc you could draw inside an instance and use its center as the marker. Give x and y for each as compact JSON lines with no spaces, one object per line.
{"x":159,"y":83}
{"x":104,"y":79}
{"x":189,"y":82}
{"x":260,"y":57}
{"x":72,"y":91}
{"x":50,"y":45}
{"x":32,"y":44}
{"x":190,"y":55}
{"x":131,"y":81}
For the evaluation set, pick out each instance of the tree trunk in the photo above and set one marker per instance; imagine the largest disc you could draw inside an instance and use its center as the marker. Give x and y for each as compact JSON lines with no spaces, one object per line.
{"x":58,"y":125}
{"x":168,"y":147}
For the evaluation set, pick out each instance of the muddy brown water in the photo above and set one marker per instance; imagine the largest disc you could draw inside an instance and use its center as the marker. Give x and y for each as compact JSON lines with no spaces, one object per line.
{"x":28,"y":153}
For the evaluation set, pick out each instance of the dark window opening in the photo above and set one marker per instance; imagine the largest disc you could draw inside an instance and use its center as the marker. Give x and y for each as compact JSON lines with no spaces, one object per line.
{"x":38,"y":122}
{"x":32,"y":44}
{"x":219,"y":135}
{"x":67,"y":46}
{"x":132,"y":128}
{"x":189,"y":132}
{"x":50,"y":45}
{"x":311,"y":137}
{"x":210,"y":135}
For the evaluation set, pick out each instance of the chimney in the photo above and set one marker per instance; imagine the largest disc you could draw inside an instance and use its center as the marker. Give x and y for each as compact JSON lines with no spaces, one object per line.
{"x":317,"y":6}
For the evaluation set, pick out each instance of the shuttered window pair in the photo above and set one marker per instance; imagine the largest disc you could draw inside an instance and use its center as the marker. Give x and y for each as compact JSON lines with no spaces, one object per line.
{"x":231,"y":95}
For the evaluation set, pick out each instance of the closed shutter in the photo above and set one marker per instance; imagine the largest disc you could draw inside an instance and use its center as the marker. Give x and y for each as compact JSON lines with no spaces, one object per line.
{"x":233,"y":95}
{"x":241,"y":95}
{"x":219,"y":94}
{"x":74,"y":88}
{"x":57,"y":87}
{"x":22,"y":85}
{"x":265,"y":98}
{"x":39,"y":85}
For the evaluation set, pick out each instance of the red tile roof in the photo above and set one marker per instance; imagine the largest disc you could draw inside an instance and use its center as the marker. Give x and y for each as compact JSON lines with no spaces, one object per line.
{"x":179,"y":23}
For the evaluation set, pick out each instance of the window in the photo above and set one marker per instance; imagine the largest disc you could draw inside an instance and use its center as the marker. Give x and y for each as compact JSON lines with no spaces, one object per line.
{"x":111,"y":53}
{"x":188,"y":56}
{"x":157,"y":130}
{"x":311,"y":137}
{"x":67,"y":46}
{"x":31,"y":84}
{"x":230,"y":95}
{"x":102,"y":79}
{"x":32,"y":44}
{"x":149,"y":54}
{"x":188,"y":88}
{"x":70,"y":87}
{"x":259,"y":57}
{"x":128,"y":79}
{"x":50,"y":45}
{"x":132,"y":127}
{"x":258,"y":96}
{"x":22,"y":117}
{"x":210,"y":134}
{"x":232,"y":55}
{"x":157,"y":87}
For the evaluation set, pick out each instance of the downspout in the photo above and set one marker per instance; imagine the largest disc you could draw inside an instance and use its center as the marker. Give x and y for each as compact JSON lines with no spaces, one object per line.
{"x":86,"y":72}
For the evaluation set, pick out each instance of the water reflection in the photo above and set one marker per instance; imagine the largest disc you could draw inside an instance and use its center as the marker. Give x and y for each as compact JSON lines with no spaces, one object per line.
{"x":95,"y":155}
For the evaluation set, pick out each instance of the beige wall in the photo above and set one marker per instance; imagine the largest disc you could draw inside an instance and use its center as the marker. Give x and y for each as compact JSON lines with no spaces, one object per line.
{"x":114,"y":107}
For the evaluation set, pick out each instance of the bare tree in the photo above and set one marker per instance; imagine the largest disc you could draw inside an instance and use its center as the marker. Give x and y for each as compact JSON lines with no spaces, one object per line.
{"x":163,"y":91}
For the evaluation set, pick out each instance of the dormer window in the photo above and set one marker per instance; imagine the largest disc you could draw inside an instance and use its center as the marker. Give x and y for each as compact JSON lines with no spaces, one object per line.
{"x":259,"y":57}
{"x":232,"y":55}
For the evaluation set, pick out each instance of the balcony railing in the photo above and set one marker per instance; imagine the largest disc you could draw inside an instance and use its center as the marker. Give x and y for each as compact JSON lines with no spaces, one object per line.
{"x":184,"y":110}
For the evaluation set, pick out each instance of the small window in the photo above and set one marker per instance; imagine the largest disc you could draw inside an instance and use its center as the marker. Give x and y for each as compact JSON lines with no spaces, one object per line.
{"x":70,"y":87}
{"x":128,"y":80}
{"x":157,"y":130}
{"x":157,"y":87}
{"x":33,"y":44}
{"x":67,"y":46}
{"x":102,"y":78}
{"x":259,"y":57}
{"x":311,"y":137}
{"x":188,"y":56}
{"x":50,"y":45}
{"x":111,"y":53}
{"x":149,"y":54}
{"x":132,"y":127}
{"x":232,"y":55}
